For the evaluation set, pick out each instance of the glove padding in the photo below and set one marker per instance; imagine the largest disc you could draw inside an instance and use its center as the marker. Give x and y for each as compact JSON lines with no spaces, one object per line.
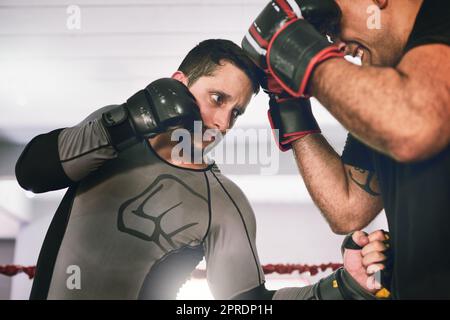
{"x":293,"y":54}
{"x":165,"y":103}
{"x":293,"y":119}
{"x":291,"y":57}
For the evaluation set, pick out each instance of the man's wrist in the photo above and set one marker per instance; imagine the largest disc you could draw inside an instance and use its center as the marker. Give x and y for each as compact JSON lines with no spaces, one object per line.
{"x":321,"y":72}
{"x":299,"y":144}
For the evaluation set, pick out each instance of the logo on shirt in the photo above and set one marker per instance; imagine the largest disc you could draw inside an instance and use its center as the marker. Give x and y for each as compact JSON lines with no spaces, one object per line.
{"x":163,"y":211}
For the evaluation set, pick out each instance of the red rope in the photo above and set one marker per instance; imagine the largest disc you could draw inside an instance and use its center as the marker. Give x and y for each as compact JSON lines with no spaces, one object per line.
{"x":301,"y":268}
{"x":12,"y":270}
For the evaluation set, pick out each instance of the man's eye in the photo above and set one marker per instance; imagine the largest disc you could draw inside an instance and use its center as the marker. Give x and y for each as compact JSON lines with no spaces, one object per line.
{"x":236,"y":113}
{"x":217,"y":98}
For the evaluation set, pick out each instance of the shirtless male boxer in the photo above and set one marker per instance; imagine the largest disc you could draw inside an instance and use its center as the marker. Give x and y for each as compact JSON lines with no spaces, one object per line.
{"x":396,"y":107}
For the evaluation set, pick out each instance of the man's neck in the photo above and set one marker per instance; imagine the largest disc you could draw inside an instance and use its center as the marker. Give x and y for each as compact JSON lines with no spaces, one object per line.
{"x":163,"y":145}
{"x":406,"y":20}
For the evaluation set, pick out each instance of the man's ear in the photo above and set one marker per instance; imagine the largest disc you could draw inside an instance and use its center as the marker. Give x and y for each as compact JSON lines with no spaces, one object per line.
{"x":381,"y":3}
{"x":180,"y":76}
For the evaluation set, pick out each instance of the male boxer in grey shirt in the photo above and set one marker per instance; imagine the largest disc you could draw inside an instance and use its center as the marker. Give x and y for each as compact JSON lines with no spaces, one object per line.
{"x":134,"y":221}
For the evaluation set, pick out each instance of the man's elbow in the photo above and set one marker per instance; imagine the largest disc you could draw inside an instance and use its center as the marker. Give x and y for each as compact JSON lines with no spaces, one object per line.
{"x":22,"y":174}
{"x":406,"y":153}
{"x":418,"y":145}
{"x":347,"y":224}
{"x":343,"y":229}
{"x":25,"y":179}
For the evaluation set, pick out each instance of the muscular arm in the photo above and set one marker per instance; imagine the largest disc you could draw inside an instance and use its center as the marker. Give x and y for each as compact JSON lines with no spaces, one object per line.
{"x":403,"y":112}
{"x":348,"y":197}
{"x":59,"y":159}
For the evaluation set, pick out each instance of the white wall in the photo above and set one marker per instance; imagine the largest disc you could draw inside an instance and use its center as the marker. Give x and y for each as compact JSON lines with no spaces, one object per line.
{"x":6,"y":256}
{"x":28,"y":244}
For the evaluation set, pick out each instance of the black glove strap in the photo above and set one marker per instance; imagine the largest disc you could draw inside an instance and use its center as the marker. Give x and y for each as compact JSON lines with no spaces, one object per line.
{"x":120,"y":130}
{"x":292,"y":116}
{"x":348,"y":243}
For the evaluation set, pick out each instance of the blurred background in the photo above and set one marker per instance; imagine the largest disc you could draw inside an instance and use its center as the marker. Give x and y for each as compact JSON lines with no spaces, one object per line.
{"x":60,"y":60}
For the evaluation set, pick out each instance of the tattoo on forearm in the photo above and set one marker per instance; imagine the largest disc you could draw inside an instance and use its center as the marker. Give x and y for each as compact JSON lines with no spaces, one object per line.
{"x":365,"y":186}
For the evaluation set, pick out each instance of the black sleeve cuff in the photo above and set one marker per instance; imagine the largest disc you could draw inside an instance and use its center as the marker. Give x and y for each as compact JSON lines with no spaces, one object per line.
{"x":39,"y":168}
{"x":357,"y":154}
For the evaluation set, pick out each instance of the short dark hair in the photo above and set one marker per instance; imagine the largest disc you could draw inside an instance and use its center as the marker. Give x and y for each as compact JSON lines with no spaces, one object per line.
{"x":205,"y":57}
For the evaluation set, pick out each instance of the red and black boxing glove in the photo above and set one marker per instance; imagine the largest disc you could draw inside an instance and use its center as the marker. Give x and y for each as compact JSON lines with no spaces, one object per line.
{"x":287,"y":40}
{"x":291,"y":119}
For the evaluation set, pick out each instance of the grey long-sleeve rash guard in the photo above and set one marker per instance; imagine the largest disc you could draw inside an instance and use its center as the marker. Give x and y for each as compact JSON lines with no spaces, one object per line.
{"x":135,"y":226}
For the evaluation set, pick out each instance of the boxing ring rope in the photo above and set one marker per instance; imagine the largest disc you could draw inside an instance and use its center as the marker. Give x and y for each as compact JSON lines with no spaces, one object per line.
{"x":12,"y":270}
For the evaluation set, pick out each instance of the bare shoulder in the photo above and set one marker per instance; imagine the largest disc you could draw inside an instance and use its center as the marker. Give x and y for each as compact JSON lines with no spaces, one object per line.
{"x":426,"y":71}
{"x":429,"y":64}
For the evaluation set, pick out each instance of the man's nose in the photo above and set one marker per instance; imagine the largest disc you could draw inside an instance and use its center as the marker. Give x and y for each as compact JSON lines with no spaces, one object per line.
{"x":222,"y":120}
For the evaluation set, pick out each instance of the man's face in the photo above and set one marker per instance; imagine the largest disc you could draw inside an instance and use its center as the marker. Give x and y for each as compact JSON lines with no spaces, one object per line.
{"x":381,"y":46}
{"x":222,"y":97}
